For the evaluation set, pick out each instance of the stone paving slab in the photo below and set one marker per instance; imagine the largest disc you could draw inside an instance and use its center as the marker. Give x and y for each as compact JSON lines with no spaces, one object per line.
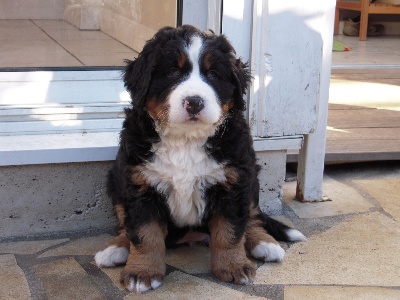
{"x":29,"y":247}
{"x":344,"y":200}
{"x":193,"y":260}
{"x":340,"y":293}
{"x":83,"y":246}
{"x":66,"y":279}
{"x":181,"y":286}
{"x":114,"y":275}
{"x":363,"y":251}
{"x":13,"y":284}
{"x":385,"y":192}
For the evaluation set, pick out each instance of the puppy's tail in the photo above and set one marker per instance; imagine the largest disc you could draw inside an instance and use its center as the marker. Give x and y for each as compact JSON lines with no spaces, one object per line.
{"x":280,"y":231}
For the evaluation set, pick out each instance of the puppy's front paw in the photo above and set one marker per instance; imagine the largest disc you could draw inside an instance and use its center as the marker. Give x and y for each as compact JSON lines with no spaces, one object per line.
{"x":238,"y":274}
{"x":143,"y":271}
{"x":236,"y":268}
{"x":140,"y":281}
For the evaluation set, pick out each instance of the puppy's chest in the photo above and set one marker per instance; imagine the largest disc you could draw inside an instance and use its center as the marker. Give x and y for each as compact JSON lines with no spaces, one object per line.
{"x":182,"y":172}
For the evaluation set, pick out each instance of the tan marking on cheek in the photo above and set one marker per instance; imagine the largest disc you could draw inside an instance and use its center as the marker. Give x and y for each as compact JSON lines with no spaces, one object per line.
{"x":158,"y":111}
{"x":228,"y":106}
{"x":137,"y":178}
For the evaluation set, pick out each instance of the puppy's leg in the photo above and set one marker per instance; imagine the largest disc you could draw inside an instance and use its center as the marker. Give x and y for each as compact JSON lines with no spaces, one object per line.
{"x":260,"y":244}
{"x":261,"y":232}
{"x":145,"y":268}
{"x":229,"y":262}
{"x":117,"y":250}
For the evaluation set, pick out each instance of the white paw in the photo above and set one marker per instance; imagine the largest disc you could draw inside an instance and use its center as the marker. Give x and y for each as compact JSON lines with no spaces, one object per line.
{"x":268,"y":252}
{"x":140,"y":287}
{"x":111,"y":256}
{"x":295,"y":235}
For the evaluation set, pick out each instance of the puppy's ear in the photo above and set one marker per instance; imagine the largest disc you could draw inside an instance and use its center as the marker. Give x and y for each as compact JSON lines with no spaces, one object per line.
{"x":138,"y":74}
{"x":241,"y":78}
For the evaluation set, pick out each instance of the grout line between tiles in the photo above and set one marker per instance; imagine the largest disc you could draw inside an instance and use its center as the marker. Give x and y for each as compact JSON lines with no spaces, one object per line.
{"x":69,"y":52}
{"x":365,"y":66}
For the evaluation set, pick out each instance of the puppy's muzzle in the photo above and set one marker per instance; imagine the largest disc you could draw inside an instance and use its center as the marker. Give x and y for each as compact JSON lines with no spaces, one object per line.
{"x":193,"y":105}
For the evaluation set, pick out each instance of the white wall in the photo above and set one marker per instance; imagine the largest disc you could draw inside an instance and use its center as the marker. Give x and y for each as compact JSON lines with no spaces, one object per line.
{"x":31,"y":9}
{"x":287,"y":65}
{"x":133,"y":22}
{"x":84,"y":14}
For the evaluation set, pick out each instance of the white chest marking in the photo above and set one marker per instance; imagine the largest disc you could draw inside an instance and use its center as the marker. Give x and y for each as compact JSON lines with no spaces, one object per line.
{"x":182,"y":170}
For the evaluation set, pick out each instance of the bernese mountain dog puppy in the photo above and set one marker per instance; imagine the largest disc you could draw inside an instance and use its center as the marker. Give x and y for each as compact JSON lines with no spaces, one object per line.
{"x":186,"y":168}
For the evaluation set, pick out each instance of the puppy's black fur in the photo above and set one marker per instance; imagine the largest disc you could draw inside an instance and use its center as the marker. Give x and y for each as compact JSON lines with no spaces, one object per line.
{"x":159,"y":69}
{"x":232,"y":142}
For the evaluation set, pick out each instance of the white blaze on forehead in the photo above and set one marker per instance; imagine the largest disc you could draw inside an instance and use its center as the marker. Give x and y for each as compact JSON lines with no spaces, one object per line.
{"x":194,"y":52}
{"x":194,"y":85}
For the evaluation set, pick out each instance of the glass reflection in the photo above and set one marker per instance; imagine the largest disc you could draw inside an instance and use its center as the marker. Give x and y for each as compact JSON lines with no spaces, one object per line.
{"x":78,"y":33}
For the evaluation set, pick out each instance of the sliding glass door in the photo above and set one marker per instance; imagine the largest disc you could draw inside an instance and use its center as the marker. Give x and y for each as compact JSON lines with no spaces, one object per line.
{"x":77,"y":33}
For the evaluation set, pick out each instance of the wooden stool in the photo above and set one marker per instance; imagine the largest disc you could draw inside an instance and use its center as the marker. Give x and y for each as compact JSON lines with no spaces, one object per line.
{"x":365,"y":8}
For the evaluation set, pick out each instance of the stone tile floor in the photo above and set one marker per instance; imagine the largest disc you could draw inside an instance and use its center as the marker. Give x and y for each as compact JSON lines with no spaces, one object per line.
{"x":352,"y":252}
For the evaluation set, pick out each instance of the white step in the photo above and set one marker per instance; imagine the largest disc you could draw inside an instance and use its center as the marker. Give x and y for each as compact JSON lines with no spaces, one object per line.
{"x":55,"y":118}
{"x":58,"y":148}
{"x":71,"y":116}
{"x":60,"y":116}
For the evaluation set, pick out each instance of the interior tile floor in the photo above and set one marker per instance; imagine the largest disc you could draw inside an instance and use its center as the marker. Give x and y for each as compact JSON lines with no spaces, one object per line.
{"x":364,"y":98}
{"x":55,"y":43}
{"x":375,"y":51}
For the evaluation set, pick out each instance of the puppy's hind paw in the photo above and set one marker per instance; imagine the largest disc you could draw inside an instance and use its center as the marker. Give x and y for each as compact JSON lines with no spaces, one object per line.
{"x":294,"y":235}
{"x":268,"y":252}
{"x":111,"y":256}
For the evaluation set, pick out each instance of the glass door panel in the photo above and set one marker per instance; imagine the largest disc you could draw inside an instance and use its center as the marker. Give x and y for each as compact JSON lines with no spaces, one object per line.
{"x":78,"y":33}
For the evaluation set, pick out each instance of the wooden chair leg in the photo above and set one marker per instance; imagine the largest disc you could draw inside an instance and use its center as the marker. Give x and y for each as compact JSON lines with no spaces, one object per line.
{"x":337,"y":19}
{"x":364,"y":20}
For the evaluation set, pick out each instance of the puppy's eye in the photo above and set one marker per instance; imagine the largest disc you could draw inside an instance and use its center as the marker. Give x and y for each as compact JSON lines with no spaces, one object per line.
{"x":173,"y":72}
{"x":212,"y":74}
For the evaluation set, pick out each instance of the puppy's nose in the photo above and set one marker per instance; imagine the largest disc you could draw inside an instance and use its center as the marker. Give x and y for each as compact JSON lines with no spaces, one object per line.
{"x":193,"y":105}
